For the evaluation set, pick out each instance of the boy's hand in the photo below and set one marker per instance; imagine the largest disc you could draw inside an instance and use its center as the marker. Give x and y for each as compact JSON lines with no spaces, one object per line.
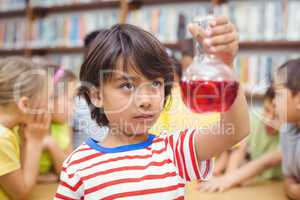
{"x":221,"y":40}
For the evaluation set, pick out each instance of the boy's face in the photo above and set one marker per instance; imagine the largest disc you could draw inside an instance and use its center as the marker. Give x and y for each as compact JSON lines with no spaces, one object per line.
{"x":287,"y":104}
{"x":131,"y":102}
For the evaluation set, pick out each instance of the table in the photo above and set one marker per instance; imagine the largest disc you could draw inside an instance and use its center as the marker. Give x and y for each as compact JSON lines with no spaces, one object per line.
{"x":257,"y":191}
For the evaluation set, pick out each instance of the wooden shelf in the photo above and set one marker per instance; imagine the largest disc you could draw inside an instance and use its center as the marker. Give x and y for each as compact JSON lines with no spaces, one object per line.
{"x":41,"y":51}
{"x":245,"y":45}
{"x":66,"y":50}
{"x":176,"y":46}
{"x":9,"y":52}
{"x":12,"y":13}
{"x":40,"y":10}
{"x":279,"y":44}
{"x":271,"y":45}
{"x":153,"y":2}
{"x":137,"y":4}
{"x":46,"y":50}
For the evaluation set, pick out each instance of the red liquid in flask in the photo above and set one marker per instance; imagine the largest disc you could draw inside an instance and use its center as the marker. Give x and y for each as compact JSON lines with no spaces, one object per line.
{"x":209,"y":96}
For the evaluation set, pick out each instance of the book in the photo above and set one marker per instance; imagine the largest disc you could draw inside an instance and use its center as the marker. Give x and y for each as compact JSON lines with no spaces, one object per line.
{"x":13,"y":33}
{"x":168,"y":22}
{"x":293,"y":26}
{"x":7,"y":5}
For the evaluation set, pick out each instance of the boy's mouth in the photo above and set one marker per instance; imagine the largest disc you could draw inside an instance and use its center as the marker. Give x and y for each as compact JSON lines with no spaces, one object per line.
{"x":144,"y":117}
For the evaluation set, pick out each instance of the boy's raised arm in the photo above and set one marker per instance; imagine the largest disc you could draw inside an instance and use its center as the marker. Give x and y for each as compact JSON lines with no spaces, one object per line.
{"x":222,"y":41}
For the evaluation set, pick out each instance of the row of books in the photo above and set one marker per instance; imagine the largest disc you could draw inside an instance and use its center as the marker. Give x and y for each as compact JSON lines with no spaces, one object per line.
{"x":21,"y":4}
{"x":12,"y":33}
{"x":168,"y":22}
{"x":6,"y":5}
{"x":256,"y":20}
{"x":68,"y":61}
{"x":47,"y":3}
{"x":256,"y":72}
{"x":70,"y":29}
{"x":293,"y":26}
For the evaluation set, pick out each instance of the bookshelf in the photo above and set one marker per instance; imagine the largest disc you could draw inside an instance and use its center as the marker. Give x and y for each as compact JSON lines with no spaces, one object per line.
{"x":274,"y":45}
{"x":32,"y":12}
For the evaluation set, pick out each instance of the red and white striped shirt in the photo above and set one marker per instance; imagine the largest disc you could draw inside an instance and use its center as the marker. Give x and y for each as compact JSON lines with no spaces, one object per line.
{"x":154,"y":169}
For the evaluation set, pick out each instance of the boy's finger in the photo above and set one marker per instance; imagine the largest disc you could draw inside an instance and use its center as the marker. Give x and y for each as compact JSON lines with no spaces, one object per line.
{"x":220,"y":40}
{"x":223,"y":48}
{"x":222,"y":29}
{"x":219,"y":20}
{"x":213,"y":189}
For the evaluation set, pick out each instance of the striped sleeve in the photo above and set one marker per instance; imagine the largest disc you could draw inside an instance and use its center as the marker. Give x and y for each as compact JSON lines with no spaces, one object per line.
{"x":185,"y":159}
{"x":70,"y":186}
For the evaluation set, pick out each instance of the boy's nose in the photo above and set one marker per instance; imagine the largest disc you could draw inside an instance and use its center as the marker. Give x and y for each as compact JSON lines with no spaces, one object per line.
{"x":144,"y":101}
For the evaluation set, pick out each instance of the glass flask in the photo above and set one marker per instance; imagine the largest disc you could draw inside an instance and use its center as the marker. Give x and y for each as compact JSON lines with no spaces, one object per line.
{"x":208,"y":84}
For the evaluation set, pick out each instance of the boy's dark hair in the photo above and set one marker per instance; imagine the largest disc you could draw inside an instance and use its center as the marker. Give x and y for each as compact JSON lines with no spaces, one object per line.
{"x":137,"y":48}
{"x":89,"y":38}
{"x":177,"y":67}
{"x":270,"y":94}
{"x":290,"y":71}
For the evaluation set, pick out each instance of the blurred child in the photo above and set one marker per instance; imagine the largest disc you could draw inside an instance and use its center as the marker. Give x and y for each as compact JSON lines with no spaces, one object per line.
{"x":262,"y":148}
{"x":57,"y":144}
{"x":24,"y":123}
{"x":130,"y":78}
{"x":287,"y":103}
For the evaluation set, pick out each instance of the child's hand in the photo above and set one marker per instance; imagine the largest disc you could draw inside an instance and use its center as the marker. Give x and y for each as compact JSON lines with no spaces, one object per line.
{"x":47,"y":141}
{"x":221,"y":40}
{"x":47,"y":178}
{"x":37,"y":127}
{"x":216,"y":184}
{"x":292,"y":188}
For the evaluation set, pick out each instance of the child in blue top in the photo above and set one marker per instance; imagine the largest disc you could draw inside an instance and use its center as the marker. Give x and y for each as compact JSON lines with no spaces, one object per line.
{"x":126,"y":80}
{"x":287,"y":103}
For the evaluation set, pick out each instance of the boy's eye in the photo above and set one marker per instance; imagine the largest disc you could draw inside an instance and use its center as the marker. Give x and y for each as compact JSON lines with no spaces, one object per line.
{"x":156,"y":84}
{"x":128,"y":86}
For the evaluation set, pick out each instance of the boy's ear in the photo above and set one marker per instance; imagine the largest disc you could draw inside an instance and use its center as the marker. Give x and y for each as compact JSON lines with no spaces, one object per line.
{"x":297,"y":99}
{"x":96,"y":97}
{"x":23,"y":104}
